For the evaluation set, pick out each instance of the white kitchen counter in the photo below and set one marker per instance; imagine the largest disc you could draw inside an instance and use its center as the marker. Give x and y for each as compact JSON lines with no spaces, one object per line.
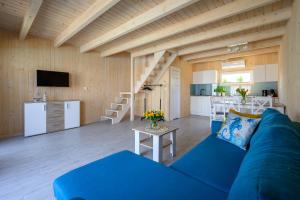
{"x":201,"y":105}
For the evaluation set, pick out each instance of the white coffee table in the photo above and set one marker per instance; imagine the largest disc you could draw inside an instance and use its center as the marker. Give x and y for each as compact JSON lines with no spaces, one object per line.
{"x":158,"y":142}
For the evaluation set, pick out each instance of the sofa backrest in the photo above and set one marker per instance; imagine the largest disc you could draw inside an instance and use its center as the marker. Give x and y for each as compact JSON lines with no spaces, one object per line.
{"x":271,"y":168}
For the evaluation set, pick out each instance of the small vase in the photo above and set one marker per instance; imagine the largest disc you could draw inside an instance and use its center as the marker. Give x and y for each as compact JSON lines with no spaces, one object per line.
{"x":154,"y":124}
{"x":243,"y":101}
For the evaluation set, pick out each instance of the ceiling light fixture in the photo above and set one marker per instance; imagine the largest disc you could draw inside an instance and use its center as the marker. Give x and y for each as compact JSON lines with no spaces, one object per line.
{"x":234,"y":48}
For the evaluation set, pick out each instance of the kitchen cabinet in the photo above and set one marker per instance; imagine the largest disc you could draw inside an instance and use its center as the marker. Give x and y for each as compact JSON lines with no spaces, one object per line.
{"x":197,"y":77}
{"x":205,"y":77}
{"x":34,"y":118}
{"x":72,"y":114}
{"x":265,"y":73}
{"x":272,"y":72}
{"x":259,"y":73}
{"x":200,"y":105}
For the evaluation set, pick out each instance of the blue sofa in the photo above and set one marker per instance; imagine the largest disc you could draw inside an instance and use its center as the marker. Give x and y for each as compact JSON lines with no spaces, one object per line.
{"x":213,"y":169}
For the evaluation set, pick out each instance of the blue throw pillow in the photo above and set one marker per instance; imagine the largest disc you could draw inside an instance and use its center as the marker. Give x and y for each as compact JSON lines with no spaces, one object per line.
{"x":238,"y":130}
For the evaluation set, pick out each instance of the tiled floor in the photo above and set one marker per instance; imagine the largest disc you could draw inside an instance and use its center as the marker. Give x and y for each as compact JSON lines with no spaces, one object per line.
{"x":28,"y":166}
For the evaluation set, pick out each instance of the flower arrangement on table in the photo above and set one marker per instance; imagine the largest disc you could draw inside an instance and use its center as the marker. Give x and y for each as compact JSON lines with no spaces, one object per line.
{"x":154,"y":116}
{"x":243,"y":92}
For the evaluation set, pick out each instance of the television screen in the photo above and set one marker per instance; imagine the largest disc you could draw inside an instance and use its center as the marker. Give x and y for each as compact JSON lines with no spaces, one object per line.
{"x":52,"y":78}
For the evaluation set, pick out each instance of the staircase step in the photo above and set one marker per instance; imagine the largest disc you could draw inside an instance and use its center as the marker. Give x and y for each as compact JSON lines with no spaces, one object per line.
{"x":115,"y":113}
{"x":119,"y":104}
{"x":113,"y":110}
{"x":152,"y":75}
{"x":108,"y":117}
{"x":125,"y":98}
{"x":125,"y":93}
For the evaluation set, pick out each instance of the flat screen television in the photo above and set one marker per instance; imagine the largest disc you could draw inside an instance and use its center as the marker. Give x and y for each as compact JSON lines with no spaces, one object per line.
{"x":52,"y":78}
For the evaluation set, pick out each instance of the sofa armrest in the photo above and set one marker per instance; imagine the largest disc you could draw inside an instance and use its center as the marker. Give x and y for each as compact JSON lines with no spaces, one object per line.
{"x":215,"y":126}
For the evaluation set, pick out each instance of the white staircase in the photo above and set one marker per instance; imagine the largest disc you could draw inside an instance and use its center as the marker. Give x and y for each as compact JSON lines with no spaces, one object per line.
{"x":118,"y":109}
{"x":153,"y":73}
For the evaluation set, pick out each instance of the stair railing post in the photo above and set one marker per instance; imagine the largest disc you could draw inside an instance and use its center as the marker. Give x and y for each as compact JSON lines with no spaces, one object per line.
{"x":132,"y":88}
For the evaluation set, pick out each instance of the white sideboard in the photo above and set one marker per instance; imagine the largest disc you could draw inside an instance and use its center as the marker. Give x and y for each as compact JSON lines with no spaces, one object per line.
{"x":205,"y":77}
{"x":34,"y":118}
{"x":45,"y":117}
{"x":72,"y":114}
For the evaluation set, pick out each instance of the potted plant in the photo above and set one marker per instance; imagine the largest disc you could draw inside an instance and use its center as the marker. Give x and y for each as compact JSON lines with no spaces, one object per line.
{"x":243,"y":92}
{"x":220,"y":90}
{"x":154,"y":116}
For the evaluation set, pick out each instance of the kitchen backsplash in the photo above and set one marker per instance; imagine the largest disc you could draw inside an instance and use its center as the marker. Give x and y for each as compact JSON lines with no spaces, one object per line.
{"x":256,"y":89}
{"x":201,"y":89}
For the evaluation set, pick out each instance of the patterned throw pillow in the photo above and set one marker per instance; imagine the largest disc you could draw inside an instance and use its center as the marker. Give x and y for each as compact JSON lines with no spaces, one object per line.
{"x":238,"y":130}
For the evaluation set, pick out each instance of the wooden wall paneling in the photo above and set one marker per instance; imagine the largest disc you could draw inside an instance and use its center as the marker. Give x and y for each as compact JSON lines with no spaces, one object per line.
{"x":94,"y":81}
{"x":153,"y":97}
{"x":289,"y":68}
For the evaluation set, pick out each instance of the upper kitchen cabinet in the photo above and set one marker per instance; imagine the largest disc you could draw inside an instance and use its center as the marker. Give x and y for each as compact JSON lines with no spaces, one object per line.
{"x":265,"y":73}
{"x":205,"y":77}
{"x":272,"y":72}
{"x":259,"y":73}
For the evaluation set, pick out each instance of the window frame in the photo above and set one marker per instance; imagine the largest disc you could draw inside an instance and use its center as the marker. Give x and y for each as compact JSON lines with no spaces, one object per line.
{"x":237,"y":72}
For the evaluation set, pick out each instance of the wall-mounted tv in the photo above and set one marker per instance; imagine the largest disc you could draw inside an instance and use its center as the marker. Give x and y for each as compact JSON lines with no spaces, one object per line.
{"x":52,"y":79}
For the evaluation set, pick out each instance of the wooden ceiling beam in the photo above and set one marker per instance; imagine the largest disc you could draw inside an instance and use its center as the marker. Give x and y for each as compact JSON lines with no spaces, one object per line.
{"x":238,"y":55}
{"x":274,"y":17}
{"x":216,"y":14}
{"x":224,"y":51}
{"x":156,"y":13}
{"x":262,"y":35}
{"x":30,"y":15}
{"x":93,"y":12}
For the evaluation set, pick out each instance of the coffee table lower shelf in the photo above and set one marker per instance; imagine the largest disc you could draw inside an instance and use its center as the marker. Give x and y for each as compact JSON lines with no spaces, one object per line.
{"x":148,"y":143}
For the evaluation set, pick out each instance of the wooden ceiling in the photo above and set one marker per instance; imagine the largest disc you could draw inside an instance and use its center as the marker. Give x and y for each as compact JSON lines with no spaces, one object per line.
{"x":196,"y":29}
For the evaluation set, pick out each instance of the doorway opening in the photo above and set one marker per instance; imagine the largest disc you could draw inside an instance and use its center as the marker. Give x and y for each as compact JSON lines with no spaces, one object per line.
{"x":175,"y":93}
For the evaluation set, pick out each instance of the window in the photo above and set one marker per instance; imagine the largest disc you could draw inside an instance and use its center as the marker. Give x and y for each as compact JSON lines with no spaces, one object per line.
{"x":236,"y":77}
{"x":236,"y":80}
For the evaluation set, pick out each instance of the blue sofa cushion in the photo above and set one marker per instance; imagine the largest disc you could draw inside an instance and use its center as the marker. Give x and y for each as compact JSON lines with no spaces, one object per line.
{"x":216,"y":125}
{"x":270,"y":118}
{"x":213,"y":161}
{"x":271,"y":168}
{"x":126,"y":175}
